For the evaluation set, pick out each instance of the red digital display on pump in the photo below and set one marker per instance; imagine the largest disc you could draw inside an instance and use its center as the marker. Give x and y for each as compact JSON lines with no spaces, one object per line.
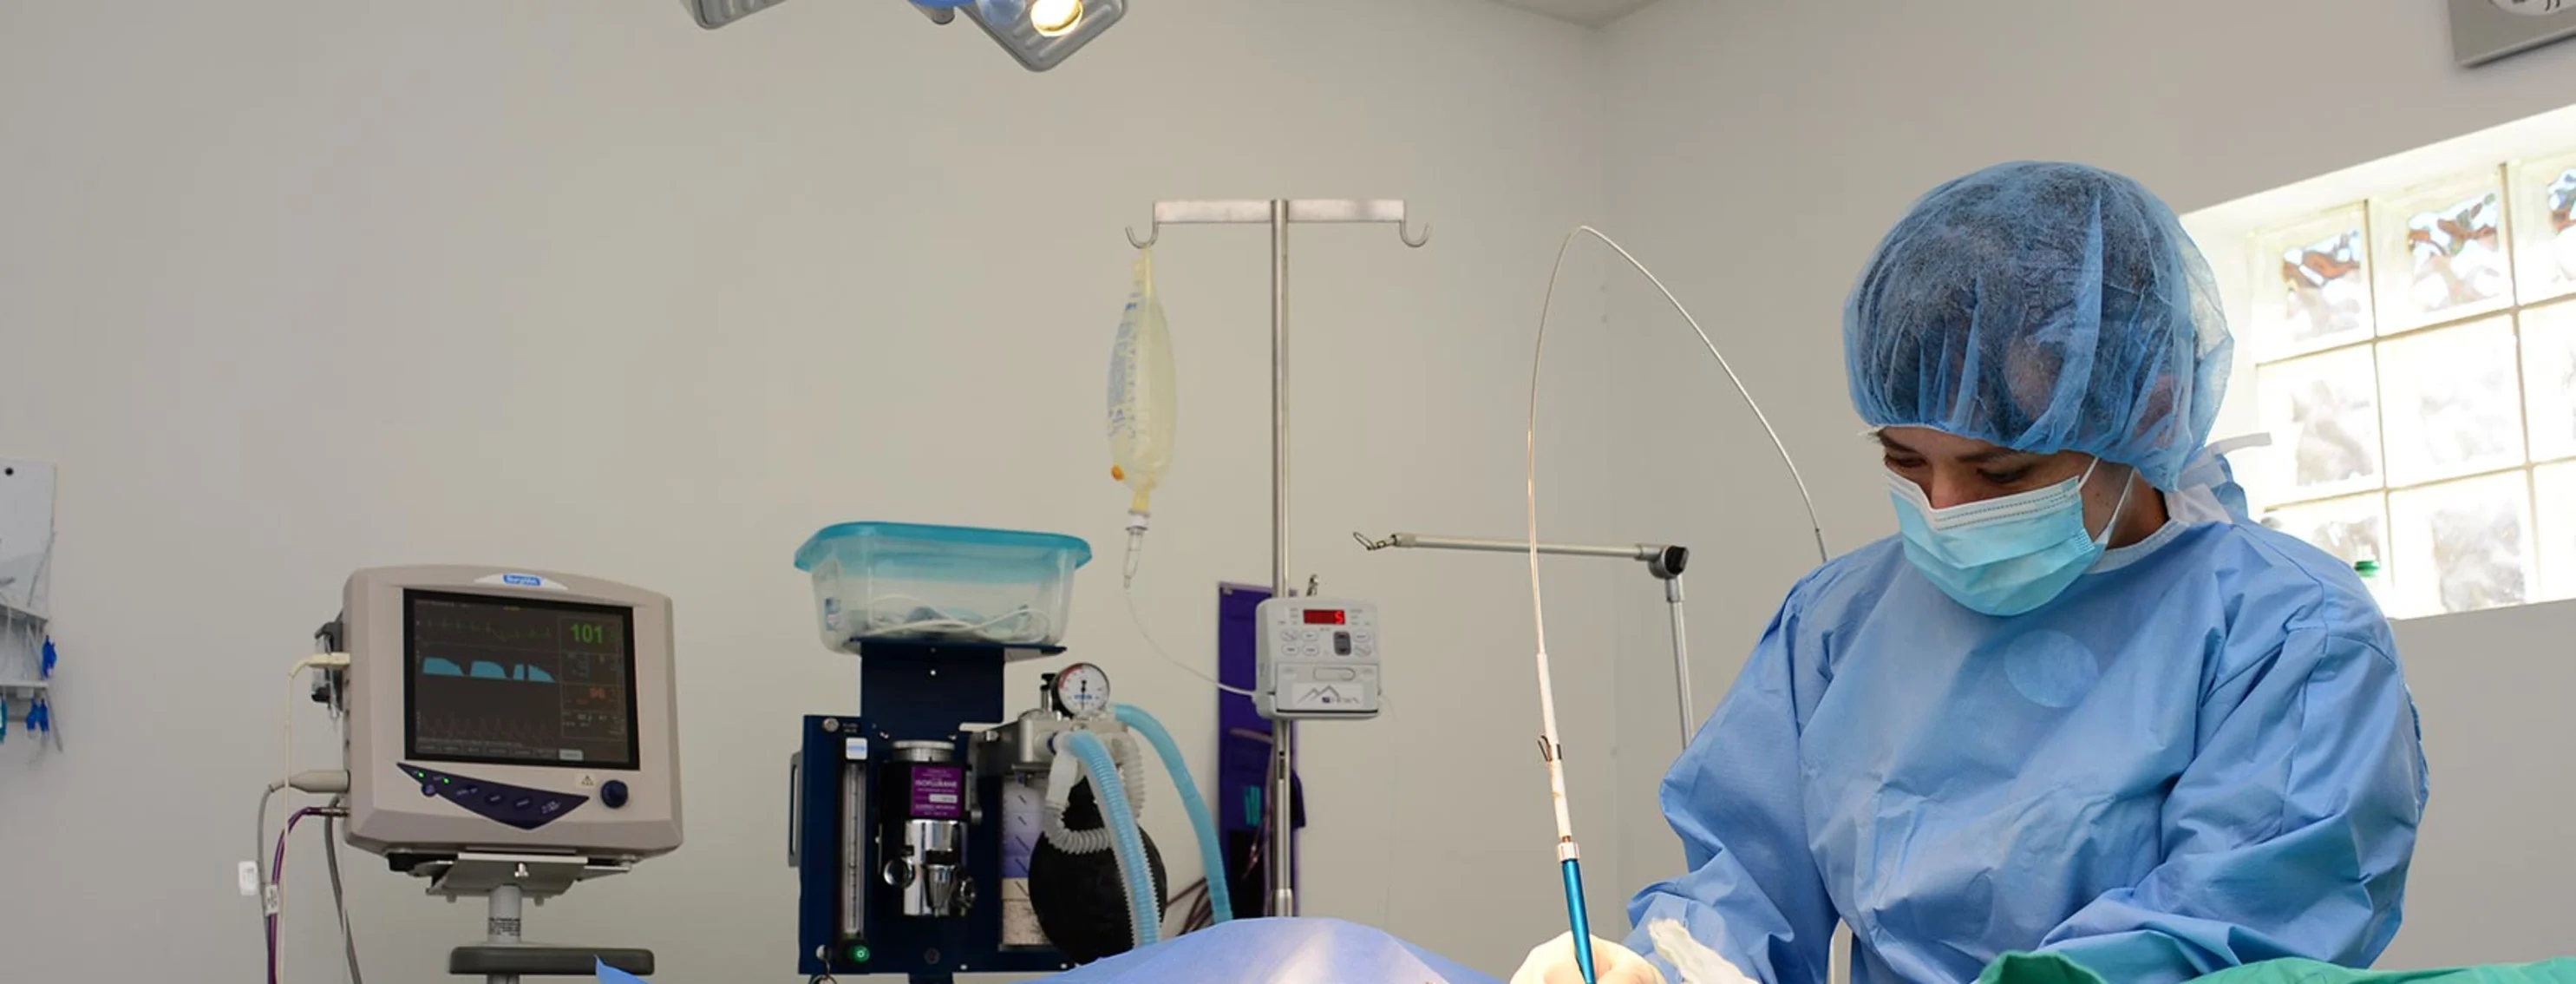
{"x":1323,"y":616}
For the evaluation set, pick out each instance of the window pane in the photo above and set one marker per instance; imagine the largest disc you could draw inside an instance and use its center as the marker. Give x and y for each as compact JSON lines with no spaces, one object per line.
{"x":2465,"y":545}
{"x":2549,"y":379}
{"x":2325,"y":410}
{"x":2313,"y":286}
{"x":2544,"y":223}
{"x":2453,"y":402}
{"x":2555,"y":486}
{"x":2441,"y":252}
{"x":2353,"y":529}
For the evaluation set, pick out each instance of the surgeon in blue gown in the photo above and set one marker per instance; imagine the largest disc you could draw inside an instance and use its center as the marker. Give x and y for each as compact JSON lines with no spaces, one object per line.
{"x":2078,"y":704}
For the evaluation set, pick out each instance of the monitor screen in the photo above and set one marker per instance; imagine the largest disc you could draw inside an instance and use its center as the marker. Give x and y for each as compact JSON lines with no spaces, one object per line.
{"x":518,"y":681}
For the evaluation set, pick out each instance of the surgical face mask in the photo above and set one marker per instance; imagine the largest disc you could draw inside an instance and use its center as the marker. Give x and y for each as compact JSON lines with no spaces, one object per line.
{"x":2007,"y":555}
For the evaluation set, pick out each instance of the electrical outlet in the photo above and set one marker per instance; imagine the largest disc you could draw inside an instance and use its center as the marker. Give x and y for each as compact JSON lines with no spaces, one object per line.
{"x":249,"y":879}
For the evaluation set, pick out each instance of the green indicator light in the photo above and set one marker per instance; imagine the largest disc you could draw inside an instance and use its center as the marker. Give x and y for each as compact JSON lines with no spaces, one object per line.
{"x":859,"y":953}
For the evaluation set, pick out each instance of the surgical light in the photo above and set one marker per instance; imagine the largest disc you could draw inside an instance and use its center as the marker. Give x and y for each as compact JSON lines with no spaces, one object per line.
{"x":1053,"y":18}
{"x":713,"y":14}
{"x":1039,"y":33}
{"x":1042,"y":33}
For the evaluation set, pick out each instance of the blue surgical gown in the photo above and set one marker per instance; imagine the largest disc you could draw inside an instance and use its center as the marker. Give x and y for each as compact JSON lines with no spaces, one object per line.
{"x":2201,"y":755}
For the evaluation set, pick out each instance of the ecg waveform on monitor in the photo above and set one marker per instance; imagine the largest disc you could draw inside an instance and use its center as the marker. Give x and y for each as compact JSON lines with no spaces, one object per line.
{"x":468,"y":630}
{"x":485,"y":670}
{"x":485,"y":731}
{"x":506,"y":682}
{"x":463,"y":715}
{"x":488,"y":663}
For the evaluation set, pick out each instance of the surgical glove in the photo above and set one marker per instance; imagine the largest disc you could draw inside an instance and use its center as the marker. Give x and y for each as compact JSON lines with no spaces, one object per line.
{"x":1553,"y":963}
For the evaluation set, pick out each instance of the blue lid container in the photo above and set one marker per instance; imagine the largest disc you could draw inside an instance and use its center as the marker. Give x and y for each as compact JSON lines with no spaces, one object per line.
{"x":908,"y":581}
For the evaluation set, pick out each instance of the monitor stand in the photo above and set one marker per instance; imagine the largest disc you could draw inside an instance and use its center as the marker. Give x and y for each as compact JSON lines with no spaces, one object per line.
{"x":506,"y":882}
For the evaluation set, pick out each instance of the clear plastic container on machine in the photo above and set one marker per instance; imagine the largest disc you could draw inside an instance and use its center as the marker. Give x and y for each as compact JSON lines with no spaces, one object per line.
{"x":906,"y":582}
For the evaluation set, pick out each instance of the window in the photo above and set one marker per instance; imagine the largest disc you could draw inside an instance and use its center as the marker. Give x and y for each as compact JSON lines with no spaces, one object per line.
{"x":2415,"y":361}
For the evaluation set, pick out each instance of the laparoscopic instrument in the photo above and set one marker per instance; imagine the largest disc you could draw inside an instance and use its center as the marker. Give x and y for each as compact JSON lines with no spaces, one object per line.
{"x":1551,"y":751}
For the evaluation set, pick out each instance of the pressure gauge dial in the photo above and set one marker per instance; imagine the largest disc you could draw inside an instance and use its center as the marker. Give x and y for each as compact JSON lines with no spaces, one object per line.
{"x":1082,"y":691}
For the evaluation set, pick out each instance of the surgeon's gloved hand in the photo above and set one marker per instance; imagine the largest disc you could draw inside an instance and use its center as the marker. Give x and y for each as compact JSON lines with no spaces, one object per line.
{"x":1553,"y":963}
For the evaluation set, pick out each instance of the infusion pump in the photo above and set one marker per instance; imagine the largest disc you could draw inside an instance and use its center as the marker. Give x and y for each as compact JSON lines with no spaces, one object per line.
{"x":1317,"y":658}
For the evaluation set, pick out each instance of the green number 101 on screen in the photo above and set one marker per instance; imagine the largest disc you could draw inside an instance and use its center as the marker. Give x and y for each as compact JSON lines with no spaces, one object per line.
{"x":586,"y":632}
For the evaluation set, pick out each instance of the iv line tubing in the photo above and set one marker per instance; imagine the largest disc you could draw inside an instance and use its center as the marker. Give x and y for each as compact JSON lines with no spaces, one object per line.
{"x":1814,"y":525}
{"x":1549,"y":747}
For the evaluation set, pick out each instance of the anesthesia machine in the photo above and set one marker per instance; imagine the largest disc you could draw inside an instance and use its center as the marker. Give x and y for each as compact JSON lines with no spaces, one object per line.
{"x":931,"y":835}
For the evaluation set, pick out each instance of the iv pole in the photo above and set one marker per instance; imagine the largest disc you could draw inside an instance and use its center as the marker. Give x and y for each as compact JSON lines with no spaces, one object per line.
{"x":1279,"y":214}
{"x":1664,"y":561}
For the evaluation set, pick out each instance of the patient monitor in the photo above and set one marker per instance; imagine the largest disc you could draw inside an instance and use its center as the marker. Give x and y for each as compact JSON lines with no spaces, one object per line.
{"x":495,"y":710}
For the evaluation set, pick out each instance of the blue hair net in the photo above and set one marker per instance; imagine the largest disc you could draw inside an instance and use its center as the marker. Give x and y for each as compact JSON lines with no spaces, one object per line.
{"x":2043,"y":307}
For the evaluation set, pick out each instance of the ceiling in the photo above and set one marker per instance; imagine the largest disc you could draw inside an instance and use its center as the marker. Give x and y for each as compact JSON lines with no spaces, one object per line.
{"x":1593,"y":13}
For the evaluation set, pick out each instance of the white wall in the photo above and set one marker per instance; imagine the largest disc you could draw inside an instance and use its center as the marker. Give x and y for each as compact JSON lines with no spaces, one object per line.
{"x":291,"y":289}
{"x":1758,"y":152}
{"x":2490,"y":875}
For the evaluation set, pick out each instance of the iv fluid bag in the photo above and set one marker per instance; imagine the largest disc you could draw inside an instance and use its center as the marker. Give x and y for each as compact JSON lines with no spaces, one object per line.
{"x":1144,"y":402}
